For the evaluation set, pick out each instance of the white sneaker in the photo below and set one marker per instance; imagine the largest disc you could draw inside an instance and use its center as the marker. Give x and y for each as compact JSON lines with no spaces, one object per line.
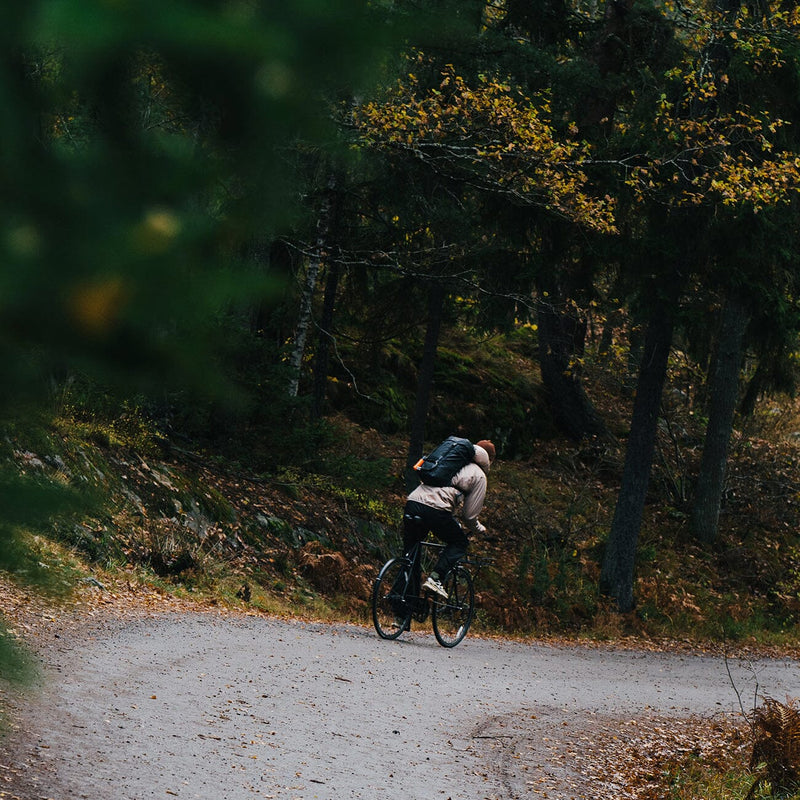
{"x":432,"y":585}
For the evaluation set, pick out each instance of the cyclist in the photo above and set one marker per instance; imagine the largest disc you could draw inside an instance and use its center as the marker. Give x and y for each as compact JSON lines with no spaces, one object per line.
{"x":433,"y":508}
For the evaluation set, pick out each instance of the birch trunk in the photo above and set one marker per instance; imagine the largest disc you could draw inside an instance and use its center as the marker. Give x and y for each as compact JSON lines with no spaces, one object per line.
{"x":307,"y":297}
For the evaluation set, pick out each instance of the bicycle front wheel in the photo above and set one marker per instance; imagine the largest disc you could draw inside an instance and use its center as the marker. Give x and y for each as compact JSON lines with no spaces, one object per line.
{"x":391,"y":612}
{"x":452,"y":617}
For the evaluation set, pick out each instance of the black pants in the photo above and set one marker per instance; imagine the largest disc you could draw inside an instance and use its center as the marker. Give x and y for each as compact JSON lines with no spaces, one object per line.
{"x":418,"y":519}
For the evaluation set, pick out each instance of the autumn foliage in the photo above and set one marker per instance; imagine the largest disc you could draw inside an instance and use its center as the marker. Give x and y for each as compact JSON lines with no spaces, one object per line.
{"x":716,"y":138}
{"x":776,"y":746}
{"x":491,"y":134}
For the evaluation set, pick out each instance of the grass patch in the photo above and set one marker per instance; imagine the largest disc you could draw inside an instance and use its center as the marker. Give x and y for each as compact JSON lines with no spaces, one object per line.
{"x":695,"y":781}
{"x":17,"y":666}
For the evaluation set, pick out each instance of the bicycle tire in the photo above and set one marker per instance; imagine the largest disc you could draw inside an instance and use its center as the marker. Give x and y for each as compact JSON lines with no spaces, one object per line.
{"x":391,"y":612}
{"x":452,"y":617}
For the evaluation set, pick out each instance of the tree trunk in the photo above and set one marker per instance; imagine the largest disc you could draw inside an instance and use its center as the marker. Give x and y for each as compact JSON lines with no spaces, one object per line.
{"x":561,"y":336}
{"x":323,"y":346}
{"x":616,"y":578}
{"x":755,"y":387}
{"x":427,"y":367}
{"x":307,"y":297}
{"x":303,"y":324}
{"x":724,"y":391}
{"x":607,"y":336}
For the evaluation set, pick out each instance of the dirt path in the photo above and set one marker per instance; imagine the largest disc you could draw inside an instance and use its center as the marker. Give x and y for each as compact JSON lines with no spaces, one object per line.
{"x":197,"y":705}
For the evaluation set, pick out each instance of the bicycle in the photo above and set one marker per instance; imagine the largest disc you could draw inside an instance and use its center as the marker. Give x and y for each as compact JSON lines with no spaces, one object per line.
{"x":396,"y":600}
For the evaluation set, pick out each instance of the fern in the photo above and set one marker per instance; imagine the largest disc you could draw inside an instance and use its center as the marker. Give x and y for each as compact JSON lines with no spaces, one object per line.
{"x":776,"y":745}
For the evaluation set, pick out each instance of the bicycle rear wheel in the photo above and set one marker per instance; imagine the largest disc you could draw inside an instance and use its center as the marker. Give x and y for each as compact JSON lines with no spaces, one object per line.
{"x":391,"y":612}
{"x":452,"y":617}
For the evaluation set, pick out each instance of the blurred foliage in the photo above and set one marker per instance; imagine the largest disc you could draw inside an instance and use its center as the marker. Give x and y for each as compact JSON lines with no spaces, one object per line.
{"x":15,"y":663}
{"x":142,"y":152}
{"x":145,"y":145}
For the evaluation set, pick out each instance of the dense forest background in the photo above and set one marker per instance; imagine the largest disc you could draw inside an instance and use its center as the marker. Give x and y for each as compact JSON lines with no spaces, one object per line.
{"x":257,"y":260}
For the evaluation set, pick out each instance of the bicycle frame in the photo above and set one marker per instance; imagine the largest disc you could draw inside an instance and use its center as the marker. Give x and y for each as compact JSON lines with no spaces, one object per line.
{"x":397,"y":599}
{"x":420,"y":601}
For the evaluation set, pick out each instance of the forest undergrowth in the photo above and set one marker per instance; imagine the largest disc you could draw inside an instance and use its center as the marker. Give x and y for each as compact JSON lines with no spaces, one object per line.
{"x":270,"y":527}
{"x":301,"y":516}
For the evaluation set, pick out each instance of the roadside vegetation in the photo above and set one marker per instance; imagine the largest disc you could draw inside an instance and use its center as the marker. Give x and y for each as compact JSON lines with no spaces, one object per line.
{"x":255,"y":263}
{"x":304,"y":513}
{"x":264,"y":524}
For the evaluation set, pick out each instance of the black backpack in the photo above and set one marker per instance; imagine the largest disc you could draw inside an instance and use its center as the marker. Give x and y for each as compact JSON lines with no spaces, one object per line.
{"x":439,"y":468}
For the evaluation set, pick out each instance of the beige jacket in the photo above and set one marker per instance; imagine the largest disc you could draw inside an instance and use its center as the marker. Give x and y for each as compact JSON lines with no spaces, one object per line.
{"x":468,"y":486}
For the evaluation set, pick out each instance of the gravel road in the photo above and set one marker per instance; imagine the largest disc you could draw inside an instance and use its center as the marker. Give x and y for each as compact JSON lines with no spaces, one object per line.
{"x":226,"y":708}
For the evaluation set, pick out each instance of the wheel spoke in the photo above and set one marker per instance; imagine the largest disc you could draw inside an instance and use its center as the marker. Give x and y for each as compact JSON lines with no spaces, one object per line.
{"x":391,"y":612}
{"x":452,"y":617}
